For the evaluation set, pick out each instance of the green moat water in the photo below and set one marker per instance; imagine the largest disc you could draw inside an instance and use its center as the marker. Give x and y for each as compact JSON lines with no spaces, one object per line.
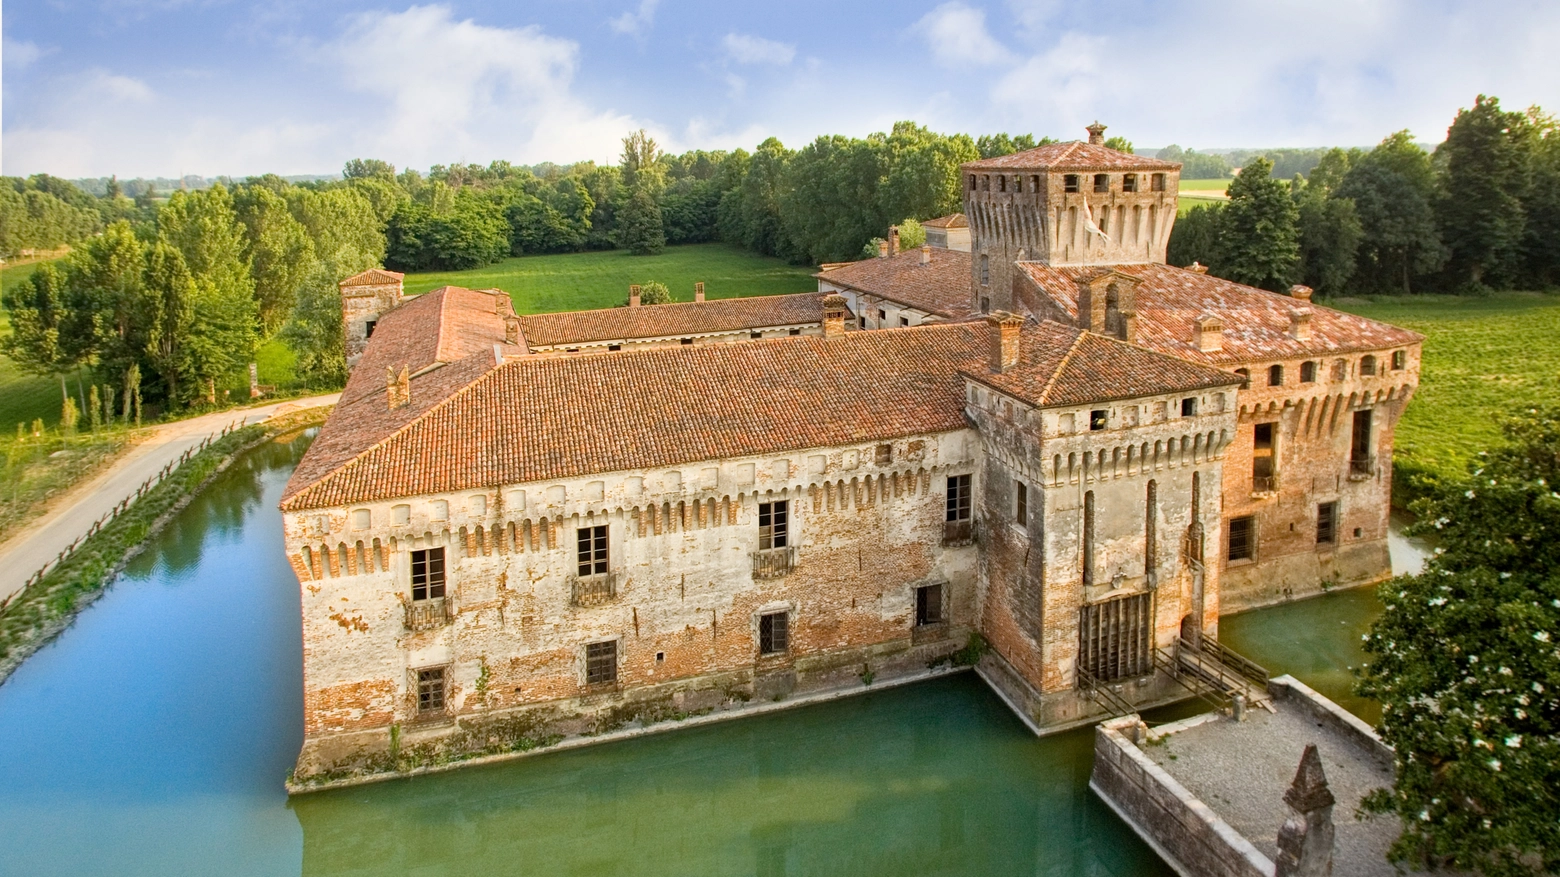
{"x":152,"y":738}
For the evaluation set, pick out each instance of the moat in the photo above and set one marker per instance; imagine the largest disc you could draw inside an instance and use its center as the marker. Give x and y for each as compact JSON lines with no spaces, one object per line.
{"x":153,"y":738}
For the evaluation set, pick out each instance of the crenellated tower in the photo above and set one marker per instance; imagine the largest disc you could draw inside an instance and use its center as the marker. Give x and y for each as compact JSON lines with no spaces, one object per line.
{"x":1068,"y":205}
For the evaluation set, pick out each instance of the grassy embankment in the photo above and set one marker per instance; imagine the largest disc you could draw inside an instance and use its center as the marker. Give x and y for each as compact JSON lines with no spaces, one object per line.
{"x":1483,"y":357}
{"x":582,"y":281}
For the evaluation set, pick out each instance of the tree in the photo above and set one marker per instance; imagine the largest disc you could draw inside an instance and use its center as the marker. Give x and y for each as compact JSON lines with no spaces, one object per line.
{"x":368,"y":168}
{"x":1197,"y":237}
{"x":107,"y":276}
{"x":654,"y":293}
{"x":1329,"y":226}
{"x":1479,"y":211}
{"x":1541,"y":202}
{"x":923,"y":172}
{"x":314,"y":333}
{"x":1464,"y":660}
{"x":279,"y":250}
{"x":993,"y":145}
{"x":640,"y":228}
{"x":1390,"y":187}
{"x":1196,"y":165}
{"x":170,"y":294}
{"x":51,"y":332}
{"x":1261,"y":245}
{"x":1120,"y":144}
{"x":911,"y":234}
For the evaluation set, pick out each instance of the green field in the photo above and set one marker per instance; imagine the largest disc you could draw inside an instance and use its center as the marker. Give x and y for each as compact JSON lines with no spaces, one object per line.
{"x":1219,"y":185}
{"x":582,"y":281}
{"x":1200,"y":193}
{"x":23,"y":397}
{"x":1482,"y":358}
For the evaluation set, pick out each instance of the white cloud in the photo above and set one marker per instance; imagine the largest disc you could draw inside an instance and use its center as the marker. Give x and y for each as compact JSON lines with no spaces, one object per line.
{"x":121,"y":87}
{"x":637,"y":21}
{"x":745,"y":49}
{"x":957,"y":36}
{"x":20,"y":53}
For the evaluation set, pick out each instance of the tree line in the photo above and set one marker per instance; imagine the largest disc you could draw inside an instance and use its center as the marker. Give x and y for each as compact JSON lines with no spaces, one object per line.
{"x":1481,"y":211}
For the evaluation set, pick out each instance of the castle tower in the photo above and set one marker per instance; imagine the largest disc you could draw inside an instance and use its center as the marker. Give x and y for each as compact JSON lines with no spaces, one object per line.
{"x":1067,"y":205}
{"x":364,"y":297}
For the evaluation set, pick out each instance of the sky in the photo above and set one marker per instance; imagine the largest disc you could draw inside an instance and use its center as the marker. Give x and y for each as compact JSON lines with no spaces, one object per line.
{"x":171,"y":87}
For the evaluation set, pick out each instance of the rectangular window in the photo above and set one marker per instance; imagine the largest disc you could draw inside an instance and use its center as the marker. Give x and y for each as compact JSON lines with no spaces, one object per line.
{"x":1399,"y":359}
{"x":1070,"y":183}
{"x":428,"y":574}
{"x":928,"y":605}
{"x":774,"y":525}
{"x":687,"y":341}
{"x":1102,"y":182}
{"x":368,"y":328}
{"x":793,"y":331}
{"x":1243,"y":539}
{"x":1326,"y":523}
{"x":1098,"y":418}
{"x":958,"y":497}
{"x":904,"y":321}
{"x":1129,"y":183}
{"x":601,"y":663}
{"x":1021,"y":503}
{"x":1263,"y":461}
{"x":1189,"y":407}
{"x":883,"y":455}
{"x":1360,"y":461}
{"x":614,"y":348}
{"x":755,"y":335}
{"x":882,"y":316}
{"x":592,"y":543}
{"x":985,"y":270}
{"x":430,"y":691}
{"x":1158,"y":183}
{"x":774,"y":633}
{"x":1308,"y":372}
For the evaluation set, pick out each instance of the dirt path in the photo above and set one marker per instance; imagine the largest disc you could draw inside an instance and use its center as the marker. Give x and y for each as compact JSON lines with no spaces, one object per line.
{"x":41,"y":542}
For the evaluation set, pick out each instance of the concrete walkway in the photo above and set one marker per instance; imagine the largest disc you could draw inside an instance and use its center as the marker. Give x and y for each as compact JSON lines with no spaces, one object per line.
{"x":73,"y":515}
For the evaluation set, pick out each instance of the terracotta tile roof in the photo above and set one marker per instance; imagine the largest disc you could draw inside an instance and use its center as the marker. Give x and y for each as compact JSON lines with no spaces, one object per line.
{"x":1061,"y":365}
{"x":1072,"y":156}
{"x":1256,"y":322}
{"x":672,"y":320}
{"x":542,"y":418}
{"x":373,"y":277}
{"x":942,"y":287}
{"x":952,"y":220}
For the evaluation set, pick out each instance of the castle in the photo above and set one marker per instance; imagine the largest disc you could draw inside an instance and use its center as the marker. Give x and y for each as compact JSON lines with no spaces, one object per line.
{"x":516,"y":528}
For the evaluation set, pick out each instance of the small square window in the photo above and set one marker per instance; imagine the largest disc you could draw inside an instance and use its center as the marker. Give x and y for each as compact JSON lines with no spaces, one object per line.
{"x":794,"y":332}
{"x":1242,"y":539}
{"x":774,"y":633}
{"x":614,"y":348}
{"x":1275,"y":376}
{"x":1102,"y":182}
{"x":883,"y":455}
{"x":1368,"y":365}
{"x":601,"y":663}
{"x":1308,"y":372}
{"x":774,"y":526}
{"x":1158,"y":183}
{"x":958,"y":498}
{"x":903,"y":322}
{"x":1189,"y":407}
{"x":1070,"y":183}
{"x":755,"y":335}
{"x":1129,"y":183}
{"x":428,"y":574}
{"x":1327,"y":523}
{"x":928,"y":605}
{"x":687,"y":341}
{"x":430,"y":691}
{"x":1098,"y":418}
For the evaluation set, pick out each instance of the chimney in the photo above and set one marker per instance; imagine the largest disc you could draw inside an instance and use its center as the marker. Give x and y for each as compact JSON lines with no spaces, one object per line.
{"x":1096,"y":133}
{"x":698,"y":291}
{"x":1306,"y":839}
{"x":1129,"y":326}
{"x":1210,"y":334}
{"x":833,"y":316}
{"x":633,"y":295}
{"x":512,"y":330}
{"x":926,"y":254}
{"x":398,"y":387}
{"x":1005,"y":327}
{"x":882,"y":249}
{"x":1300,"y":324}
{"x":893,"y":241}
{"x":1301,"y":292}
{"x":500,"y":303}
{"x":1197,"y":268}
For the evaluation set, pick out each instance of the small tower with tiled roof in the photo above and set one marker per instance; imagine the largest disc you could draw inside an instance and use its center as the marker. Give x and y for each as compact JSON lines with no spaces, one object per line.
{"x":364,"y":297}
{"x":1067,"y":205}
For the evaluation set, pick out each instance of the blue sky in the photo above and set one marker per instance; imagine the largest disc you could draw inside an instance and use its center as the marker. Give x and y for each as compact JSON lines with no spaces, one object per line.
{"x":160,"y":87}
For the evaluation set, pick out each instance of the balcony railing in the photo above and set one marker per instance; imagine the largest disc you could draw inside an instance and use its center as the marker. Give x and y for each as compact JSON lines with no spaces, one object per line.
{"x":1362,"y":467}
{"x":958,"y":532}
{"x":772,"y":563}
{"x":427,"y":614}
{"x":593,"y":590}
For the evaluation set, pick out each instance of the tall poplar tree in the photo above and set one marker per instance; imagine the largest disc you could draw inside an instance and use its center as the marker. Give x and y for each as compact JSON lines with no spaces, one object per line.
{"x":1261,"y":244}
{"x":1479,"y":209}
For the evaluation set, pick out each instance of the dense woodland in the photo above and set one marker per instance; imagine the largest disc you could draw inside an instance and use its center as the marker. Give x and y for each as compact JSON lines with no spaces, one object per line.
{"x":181,"y":290}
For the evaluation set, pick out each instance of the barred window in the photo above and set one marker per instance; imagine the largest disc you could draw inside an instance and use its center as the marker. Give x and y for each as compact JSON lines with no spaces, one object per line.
{"x":1326,"y":523}
{"x":601,"y":663}
{"x":959,"y":497}
{"x":1243,"y":538}
{"x":430,"y":690}
{"x":428,"y":574}
{"x":774,"y":525}
{"x":774,"y":633}
{"x":592,"y":550}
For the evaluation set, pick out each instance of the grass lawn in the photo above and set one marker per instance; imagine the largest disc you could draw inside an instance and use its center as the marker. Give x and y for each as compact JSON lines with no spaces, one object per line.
{"x":1482,"y":358}
{"x":1205,"y":185}
{"x":582,"y":281}
{"x":23,"y":397}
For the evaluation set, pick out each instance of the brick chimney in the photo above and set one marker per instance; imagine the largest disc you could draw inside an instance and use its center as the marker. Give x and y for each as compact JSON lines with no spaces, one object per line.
{"x":501,"y":303}
{"x":1096,"y":133}
{"x":698,"y":291}
{"x":633,"y":295}
{"x":882,"y":249}
{"x":1300,"y":324}
{"x":1005,"y":328}
{"x":1301,"y":292}
{"x":1129,"y":326}
{"x":398,"y":387}
{"x":833,"y":316}
{"x":1197,"y":268}
{"x":1209,"y":334}
{"x":893,"y":241}
{"x":926,"y":254}
{"x":512,"y":330}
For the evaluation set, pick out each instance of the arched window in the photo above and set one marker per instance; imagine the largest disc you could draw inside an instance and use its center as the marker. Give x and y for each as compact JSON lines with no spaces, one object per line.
{"x":1308,"y":372}
{"x":1275,"y":376}
{"x":1245,"y":378}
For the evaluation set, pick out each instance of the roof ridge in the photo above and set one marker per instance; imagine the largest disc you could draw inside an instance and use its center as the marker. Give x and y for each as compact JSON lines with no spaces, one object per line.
{"x":1045,"y":392}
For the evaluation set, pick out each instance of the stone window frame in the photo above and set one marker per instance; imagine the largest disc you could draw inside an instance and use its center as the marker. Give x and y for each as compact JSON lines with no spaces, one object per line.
{"x":1129,"y":182}
{"x":592,"y":550}
{"x":430,"y":691}
{"x":1399,"y":360}
{"x":1101,"y":183}
{"x":1189,"y":406}
{"x":1072,"y":183}
{"x":959,"y":491}
{"x":434,"y":573}
{"x":599,"y":662}
{"x":1368,"y":367}
{"x":1099,"y":418}
{"x":1275,"y":375}
{"x":919,"y":602}
{"x":1308,"y":371}
{"x":1247,"y":525}
{"x":362,"y":519}
{"x":776,"y":533}
{"x":773,"y":641}
{"x":1327,"y":523}
{"x":1157,"y":183}
{"x":1020,"y":504}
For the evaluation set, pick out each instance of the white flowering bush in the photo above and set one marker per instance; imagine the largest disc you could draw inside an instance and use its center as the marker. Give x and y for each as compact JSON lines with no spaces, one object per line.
{"x":1466,"y":665}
